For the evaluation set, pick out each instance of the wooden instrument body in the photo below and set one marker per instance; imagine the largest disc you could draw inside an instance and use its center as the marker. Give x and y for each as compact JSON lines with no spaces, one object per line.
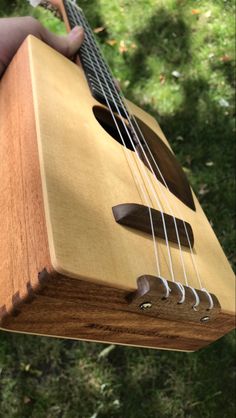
{"x":66,"y":266}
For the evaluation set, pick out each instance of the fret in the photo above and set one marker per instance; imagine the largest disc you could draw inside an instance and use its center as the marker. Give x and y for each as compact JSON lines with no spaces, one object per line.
{"x":97,"y":72}
{"x":95,"y":50}
{"x":92,"y":68}
{"x":95,"y":56}
{"x":94,"y":81}
{"x":100,"y":76}
{"x":99,"y":95}
{"x":95,"y":67}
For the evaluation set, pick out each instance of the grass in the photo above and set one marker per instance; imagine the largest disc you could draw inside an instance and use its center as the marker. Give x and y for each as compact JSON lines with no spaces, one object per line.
{"x":176,"y":60}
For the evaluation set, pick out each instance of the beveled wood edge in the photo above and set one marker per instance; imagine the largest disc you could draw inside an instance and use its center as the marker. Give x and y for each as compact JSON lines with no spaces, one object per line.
{"x":96,"y":341}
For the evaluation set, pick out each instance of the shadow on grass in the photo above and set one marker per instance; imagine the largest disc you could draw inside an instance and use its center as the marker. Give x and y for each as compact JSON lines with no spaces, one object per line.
{"x":206,"y":128}
{"x":228,"y":70}
{"x":168,"y":384}
{"x":167,"y":37}
{"x":207,"y":131}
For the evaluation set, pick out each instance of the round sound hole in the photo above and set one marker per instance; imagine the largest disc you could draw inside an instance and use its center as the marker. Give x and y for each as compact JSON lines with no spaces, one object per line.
{"x":153,"y":152}
{"x":115,"y":126}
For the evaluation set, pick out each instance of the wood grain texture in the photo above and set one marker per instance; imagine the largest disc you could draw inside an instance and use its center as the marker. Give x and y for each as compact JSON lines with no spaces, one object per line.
{"x":78,"y":309}
{"x":151,"y":297}
{"x":23,"y":244}
{"x":45,"y":218}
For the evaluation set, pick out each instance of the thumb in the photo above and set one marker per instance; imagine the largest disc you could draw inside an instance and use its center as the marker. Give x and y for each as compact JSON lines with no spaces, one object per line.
{"x":74,"y":40}
{"x":14,"y":30}
{"x":66,"y":45}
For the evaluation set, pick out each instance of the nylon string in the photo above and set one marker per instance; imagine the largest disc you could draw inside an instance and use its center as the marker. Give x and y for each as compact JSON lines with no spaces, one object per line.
{"x":165,"y":198}
{"x":128,"y":117}
{"x":131,"y":163}
{"x":164,"y":226}
{"x":139,"y":162}
{"x":133,"y":145}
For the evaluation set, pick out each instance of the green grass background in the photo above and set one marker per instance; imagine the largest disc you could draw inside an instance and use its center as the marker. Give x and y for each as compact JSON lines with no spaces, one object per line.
{"x":50,"y":378}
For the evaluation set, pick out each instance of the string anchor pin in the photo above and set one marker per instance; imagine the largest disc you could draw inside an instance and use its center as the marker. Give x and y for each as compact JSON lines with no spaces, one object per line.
{"x":145,"y":306}
{"x":205,"y":319}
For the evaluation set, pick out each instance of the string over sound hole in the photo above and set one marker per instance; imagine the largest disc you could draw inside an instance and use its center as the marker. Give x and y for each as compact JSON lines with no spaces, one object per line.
{"x":153,"y":152}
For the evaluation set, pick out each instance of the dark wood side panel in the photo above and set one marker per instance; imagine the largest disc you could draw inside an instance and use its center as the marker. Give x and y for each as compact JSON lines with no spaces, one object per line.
{"x":72,"y":308}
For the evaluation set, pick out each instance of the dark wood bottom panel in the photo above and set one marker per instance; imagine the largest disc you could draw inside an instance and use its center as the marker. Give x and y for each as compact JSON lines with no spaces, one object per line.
{"x":70,"y":308}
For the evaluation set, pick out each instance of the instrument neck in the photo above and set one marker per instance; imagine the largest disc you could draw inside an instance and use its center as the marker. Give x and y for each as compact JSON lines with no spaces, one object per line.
{"x":97,"y":72}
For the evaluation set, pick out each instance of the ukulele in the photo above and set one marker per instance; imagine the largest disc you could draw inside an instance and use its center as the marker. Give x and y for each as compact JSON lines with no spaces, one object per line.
{"x":102,"y":237}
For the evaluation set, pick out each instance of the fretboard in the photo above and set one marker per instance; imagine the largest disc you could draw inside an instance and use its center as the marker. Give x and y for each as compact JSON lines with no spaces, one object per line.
{"x":97,"y":72}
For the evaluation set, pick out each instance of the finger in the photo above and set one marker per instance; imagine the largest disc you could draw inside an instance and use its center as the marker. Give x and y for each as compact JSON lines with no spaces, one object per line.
{"x":13,"y":31}
{"x":66,"y":45}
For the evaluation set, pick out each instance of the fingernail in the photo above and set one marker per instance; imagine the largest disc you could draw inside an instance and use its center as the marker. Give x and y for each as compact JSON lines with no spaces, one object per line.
{"x":76,"y":30}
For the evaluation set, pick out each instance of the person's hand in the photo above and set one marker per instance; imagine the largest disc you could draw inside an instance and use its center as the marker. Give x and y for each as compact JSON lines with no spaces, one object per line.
{"x":13,"y":31}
